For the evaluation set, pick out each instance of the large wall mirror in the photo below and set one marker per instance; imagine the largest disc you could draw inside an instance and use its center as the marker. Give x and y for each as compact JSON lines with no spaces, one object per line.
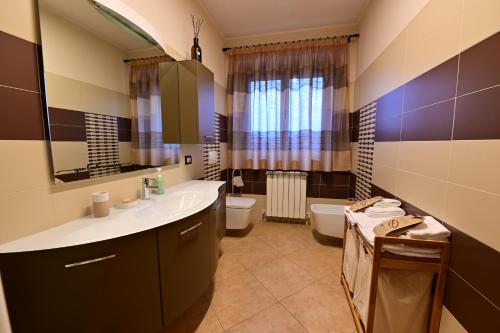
{"x":104,"y":111}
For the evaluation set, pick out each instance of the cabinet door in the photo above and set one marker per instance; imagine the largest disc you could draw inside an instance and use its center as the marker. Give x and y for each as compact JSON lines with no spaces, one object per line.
{"x":206,"y":115}
{"x":184,"y":263}
{"x":109,"y":286}
{"x":221,"y":213}
{"x":170,"y":110}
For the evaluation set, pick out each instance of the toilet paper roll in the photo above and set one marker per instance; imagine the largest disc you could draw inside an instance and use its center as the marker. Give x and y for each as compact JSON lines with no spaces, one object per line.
{"x":238,"y":181}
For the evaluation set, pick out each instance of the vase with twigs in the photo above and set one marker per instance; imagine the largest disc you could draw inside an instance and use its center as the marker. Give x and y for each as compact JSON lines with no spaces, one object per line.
{"x":196,"y":49}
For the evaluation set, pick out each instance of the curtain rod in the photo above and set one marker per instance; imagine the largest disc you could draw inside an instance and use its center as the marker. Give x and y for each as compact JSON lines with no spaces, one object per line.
{"x":149,"y":58}
{"x":349,"y":37}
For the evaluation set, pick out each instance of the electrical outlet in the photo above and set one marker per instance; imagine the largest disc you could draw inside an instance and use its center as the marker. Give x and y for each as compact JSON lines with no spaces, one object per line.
{"x":188,"y":159}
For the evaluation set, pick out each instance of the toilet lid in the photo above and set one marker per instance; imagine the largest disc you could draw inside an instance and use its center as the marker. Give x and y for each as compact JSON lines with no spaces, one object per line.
{"x":239,"y":202}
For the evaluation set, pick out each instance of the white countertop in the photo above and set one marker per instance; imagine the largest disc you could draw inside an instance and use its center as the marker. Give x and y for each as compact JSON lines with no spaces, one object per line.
{"x":178,"y":202}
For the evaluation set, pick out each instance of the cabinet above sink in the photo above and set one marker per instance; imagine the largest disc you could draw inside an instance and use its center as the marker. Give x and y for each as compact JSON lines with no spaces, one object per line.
{"x":187,"y":100}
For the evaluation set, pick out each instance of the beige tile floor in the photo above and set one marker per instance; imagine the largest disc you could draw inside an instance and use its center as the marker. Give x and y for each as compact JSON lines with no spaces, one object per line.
{"x":276,"y":278}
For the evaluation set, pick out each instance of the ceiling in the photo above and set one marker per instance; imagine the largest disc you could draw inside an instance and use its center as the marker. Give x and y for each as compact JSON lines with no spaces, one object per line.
{"x":83,"y":14}
{"x":237,"y":18}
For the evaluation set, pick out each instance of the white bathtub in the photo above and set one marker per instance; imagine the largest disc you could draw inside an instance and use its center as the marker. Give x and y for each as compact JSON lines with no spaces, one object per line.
{"x":328,"y":219}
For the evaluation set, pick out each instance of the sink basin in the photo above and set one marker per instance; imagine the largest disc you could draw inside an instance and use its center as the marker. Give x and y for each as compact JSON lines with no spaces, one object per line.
{"x":172,"y":205}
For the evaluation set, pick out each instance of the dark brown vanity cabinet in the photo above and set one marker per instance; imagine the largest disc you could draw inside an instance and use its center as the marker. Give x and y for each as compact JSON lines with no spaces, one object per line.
{"x":184,"y":258}
{"x":187,"y":97}
{"x":217,"y":229}
{"x":108,"y":286}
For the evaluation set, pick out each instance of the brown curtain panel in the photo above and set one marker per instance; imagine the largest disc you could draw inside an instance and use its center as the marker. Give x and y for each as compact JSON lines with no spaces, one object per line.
{"x":145,"y":106}
{"x":288,"y":107}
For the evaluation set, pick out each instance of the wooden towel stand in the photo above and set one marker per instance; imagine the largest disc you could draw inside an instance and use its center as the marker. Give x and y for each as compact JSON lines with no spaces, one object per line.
{"x":387,"y":260}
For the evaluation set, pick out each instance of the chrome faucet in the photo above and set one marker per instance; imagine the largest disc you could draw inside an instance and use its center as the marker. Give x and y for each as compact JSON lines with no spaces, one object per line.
{"x":146,"y":188}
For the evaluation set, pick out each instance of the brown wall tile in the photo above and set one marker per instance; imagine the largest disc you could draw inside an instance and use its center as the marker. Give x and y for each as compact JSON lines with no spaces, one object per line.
{"x":480,"y":66}
{"x":434,"y":86}
{"x":354,"y":119}
{"x":469,"y":256}
{"x":388,"y":129}
{"x":18,"y":63}
{"x":477,"y":116}
{"x":259,"y":175}
{"x":390,"y":104}
{"x":67,"y":117}
{"x":259,"y":188}
{"x":473,"y":311}
{"x":433,"y":122}
{"x":21,"y":115}
{"x":354,"y":134}
{"x":314,"y":177}
{"x":124,"y":123}
{"x":333,"y":191}
{"x":312,"y":191}
{"x":67,"y":133}
{"x":124,"y":135}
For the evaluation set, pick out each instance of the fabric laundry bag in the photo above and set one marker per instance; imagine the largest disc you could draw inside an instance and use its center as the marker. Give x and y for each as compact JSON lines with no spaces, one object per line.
{"x":403,"y":301}
{"x":351,"y":254}
{"x":361,"y":296}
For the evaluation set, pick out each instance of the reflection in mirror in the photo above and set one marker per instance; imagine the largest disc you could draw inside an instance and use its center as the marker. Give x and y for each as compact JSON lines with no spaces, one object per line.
{"x":104,"y":109}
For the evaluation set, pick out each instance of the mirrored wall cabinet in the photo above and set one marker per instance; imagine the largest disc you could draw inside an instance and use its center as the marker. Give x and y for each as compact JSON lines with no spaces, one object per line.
{"x":187,"y":97}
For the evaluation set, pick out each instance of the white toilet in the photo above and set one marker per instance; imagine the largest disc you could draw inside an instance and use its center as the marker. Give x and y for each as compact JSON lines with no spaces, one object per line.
{"x":328,"y":220}
{"x":238,"y":211}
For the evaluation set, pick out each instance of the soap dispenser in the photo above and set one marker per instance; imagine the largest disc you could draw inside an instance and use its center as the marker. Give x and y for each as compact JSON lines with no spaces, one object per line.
{"x":160,"y":186}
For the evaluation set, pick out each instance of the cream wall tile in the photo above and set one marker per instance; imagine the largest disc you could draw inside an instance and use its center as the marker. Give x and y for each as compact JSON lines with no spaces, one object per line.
{"x":381,"y":23}
{"x":25,"y":165}
{"x":196,"y":151}
{"x":466,"y":210}
{"x":481,"y":19}
{"x":220,"y":98}
{"x":354,"y":157}
{"x":428,"y":158}
{"x":67,"y":93}
{"x":386,"y":153}
{"x":384,"y":74}
{"x":426,"y":193}
{"x":223,"y":155}
{"x":25,"y":212}
{"x":125,"y":149}
{"x":433,"y":36}
{"x":69,"y":155}
{"x":476,"y":164}
{"x":385,"y":177}
{"x":449,"y":324}
{"x":20,"y":19}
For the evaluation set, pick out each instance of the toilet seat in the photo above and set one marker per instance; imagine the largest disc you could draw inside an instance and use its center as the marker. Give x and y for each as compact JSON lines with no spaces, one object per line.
{"x":239,"y":202}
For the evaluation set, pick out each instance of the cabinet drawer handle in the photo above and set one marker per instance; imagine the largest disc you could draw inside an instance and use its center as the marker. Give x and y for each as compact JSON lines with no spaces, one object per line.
{"x":182,"y":233}
{"x":90,"y":261}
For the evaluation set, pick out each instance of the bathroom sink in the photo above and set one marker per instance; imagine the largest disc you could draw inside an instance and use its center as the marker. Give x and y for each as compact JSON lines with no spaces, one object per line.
{"x":173,"y":205}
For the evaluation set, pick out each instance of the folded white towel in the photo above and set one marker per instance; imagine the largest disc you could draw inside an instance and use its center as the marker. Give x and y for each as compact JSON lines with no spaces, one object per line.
{"x":388,"y":203}
{"x":430,"y":228}
{"x":366,"y":224}
{"x":387,"y":212}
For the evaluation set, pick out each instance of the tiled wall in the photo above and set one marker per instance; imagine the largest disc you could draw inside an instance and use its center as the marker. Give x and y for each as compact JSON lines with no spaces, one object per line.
{"x":25,"y":172}
{"x":437,"y":147}
{"x":327,"y":185}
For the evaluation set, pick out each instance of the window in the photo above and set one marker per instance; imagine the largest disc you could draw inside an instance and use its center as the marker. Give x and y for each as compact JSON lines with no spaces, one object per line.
{"x":305,"y":104}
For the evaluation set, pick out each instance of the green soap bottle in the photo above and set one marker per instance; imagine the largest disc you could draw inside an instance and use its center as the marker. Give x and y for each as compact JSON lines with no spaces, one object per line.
{"x":160,"y":186}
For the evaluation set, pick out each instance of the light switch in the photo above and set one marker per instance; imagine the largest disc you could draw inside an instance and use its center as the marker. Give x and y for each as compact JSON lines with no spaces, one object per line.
{"x":188,"y":159}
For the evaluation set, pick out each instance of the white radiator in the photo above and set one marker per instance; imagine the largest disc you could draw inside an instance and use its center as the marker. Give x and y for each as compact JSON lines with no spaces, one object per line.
{"x":286,"y":194}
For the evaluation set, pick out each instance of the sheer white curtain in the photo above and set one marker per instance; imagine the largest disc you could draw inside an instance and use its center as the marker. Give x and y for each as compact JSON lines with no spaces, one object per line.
{"x":288,"y":107}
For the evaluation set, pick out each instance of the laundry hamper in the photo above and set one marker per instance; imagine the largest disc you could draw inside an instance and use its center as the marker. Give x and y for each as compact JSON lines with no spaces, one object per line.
{"x":393,"y":293}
